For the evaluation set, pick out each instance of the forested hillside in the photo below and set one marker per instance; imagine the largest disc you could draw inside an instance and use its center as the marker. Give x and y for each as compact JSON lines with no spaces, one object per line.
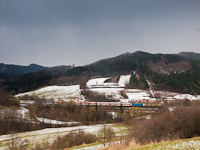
{"x":11,"y":71}
{"x":191,"y":55}
{"x":170,"y":72}
{"x":33,"y":80}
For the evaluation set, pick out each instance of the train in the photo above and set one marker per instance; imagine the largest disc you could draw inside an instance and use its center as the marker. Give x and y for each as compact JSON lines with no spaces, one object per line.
{"x":117,"y":104}
{"x":111,"y":104}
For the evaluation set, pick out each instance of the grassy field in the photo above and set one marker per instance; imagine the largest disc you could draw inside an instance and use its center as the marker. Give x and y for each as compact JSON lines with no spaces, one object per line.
{"x":119,"y":130}
{"x":184,"y":144}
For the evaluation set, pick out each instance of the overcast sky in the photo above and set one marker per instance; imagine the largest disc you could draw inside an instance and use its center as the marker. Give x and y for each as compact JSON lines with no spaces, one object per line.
{"x":63,"y":32}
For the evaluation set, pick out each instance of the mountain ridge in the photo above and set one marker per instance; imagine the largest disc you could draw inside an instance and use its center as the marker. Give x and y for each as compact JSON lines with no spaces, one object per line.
{"x":11,"y":71}
{"x":166,"y":71}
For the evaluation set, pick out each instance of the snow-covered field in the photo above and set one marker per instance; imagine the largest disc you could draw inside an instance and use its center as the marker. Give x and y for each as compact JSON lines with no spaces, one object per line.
{"x":138,"y":94}
{"x":56,"y":92}
{"x":110,"y":90}
{"x":114,"y":93}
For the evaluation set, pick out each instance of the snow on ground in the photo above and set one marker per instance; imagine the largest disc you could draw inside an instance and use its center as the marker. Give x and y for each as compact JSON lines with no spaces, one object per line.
{"x":98,"y":146}
{"x":96,"y":82}
{"x":150,"y":87}
{"x":16,"y":112}
{"x":164,"y":94}
{"x":138,"y":96}
{"x":185,"y":96}
{"x":124,"y":100}
{"x":124,"y":79}
{"x":23,"y":111}
{"x":109,"y":92}
{"x":134,"y":90}
{"x":183,"y":145}
{"x":50,"y":121}
{"x":48,"y":134}
{"x":56,"y":92}
{"x":172,"y":95}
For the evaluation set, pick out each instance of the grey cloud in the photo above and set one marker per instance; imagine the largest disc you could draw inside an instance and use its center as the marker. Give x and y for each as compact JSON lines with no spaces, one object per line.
{"x":53,"y":12}
{"x":54,"y":32}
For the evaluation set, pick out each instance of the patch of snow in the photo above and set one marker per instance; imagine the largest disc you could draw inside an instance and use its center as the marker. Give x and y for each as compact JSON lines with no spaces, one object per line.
{"x":96,"y":82}
{"x":185,"y":96}
{"x":56,"y":92}
{"x":124,"y":79}
{"x":198,"y":97}
{"x":124,"y":100}
{"x":164,"y":94}
{"x":169,"y":98}
{"x":50,"y":121}
{"x":133,"y":90}
{"x":23,"y":111}
{"x":12,"y":112}
{"x":113,"y":114}
{"x":98,"y":146}
{"x":109,"y":92}
{"x":138,"y":96}
{"x":171,"y":108}
{"x":182,"y":145}
{"x":150,"y":87}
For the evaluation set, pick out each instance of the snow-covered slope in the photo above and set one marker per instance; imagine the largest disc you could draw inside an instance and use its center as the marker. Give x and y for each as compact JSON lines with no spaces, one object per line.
{"x":124,"y":79}
{"x":96,"y":82}
{"x":56,"y":92}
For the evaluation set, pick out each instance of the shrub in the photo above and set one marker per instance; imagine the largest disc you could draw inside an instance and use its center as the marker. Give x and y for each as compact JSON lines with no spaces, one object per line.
{"x":180,"y":123}
{"x":73,"y":139}
{"x":8,"y":100}
{"x":11,"y":121}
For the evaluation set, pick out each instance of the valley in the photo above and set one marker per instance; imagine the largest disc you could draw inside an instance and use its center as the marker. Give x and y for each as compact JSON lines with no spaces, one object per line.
{"x":128,"y":89}
{"x":99,"y":74}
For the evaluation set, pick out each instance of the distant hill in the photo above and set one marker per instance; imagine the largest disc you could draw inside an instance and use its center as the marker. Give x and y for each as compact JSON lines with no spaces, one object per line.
{"x":11,"y":71}
{"x":29,"y":81}
{"x":190,"y":55}
{"x":8,"y":72}
{"x":170,"y":72}
{"x":17,"y":69}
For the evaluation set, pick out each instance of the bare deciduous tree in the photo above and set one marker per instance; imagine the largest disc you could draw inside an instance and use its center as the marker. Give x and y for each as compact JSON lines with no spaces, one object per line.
{"x":106,"y":134}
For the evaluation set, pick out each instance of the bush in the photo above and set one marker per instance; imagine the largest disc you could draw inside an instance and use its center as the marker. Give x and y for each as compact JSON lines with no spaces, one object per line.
{"x":73,"y":139}
{"x":11,"y":121}
{"x":96,"y":97}
{"x":180,"y":123}
{"x":8,"y":100}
